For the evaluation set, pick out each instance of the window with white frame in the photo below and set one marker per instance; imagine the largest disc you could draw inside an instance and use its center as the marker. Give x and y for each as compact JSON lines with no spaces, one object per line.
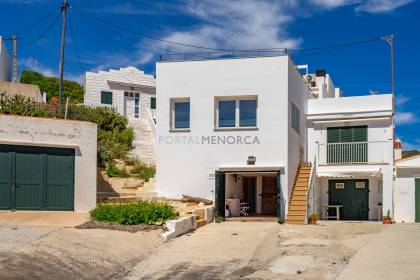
{"x":236,"y":112}
{"x":180,"y":114}
{"x":295,"y":118}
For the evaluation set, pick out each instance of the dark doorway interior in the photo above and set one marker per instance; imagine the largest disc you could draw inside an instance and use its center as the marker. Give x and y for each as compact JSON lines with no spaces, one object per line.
{"x":249,"y":188}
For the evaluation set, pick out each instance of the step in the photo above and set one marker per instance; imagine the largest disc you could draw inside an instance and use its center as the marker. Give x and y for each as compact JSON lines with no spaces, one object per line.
{"x":201,"y":223}
{"x":295,"y":222}
{"x":304,"y":171}
{"x":298,"y":198}
{"x":300,"y":188}
{"x":299,"y":192}
{"x":301,"y":184}
{"x":294,"y":212}
{"x":297,"y":208}
{"x":297,"y":203}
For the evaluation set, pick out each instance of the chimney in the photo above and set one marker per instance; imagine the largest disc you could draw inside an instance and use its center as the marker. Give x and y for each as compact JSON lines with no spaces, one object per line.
{"x":398,"y":149}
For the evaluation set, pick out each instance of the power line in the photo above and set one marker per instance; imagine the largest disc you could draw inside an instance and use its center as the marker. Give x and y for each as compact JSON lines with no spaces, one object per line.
{"x":100,"y":22}
{"x":339,"y":45}
{"x":143,"y":35}
{"x":45,"y":31}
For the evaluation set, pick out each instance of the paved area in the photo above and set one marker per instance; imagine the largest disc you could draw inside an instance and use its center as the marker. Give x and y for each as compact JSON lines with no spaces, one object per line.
{"x":235,"y":250}
{"x":394,"y":253}
{"x":43,"y":218}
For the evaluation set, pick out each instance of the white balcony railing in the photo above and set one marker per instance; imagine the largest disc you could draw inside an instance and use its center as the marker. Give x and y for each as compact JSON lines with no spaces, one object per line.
{"x":353,"y":152}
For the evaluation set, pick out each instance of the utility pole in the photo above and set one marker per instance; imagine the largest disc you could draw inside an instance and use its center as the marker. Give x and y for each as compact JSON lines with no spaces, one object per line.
{"x":14,"y":59}
{"x":63,"y":42}
{"x":390,"y":40}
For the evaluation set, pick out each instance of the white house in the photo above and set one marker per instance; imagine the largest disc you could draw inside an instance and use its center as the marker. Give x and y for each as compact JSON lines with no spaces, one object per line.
{"x":255,"y":130}
{"x":128,"y":89}
{"x":407,"y":190}
{"x":133,"y":94}
{"x":5,"y":62}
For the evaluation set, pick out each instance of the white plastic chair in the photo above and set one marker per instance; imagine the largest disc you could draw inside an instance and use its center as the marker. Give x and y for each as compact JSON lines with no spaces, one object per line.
{"x":243,"y":208}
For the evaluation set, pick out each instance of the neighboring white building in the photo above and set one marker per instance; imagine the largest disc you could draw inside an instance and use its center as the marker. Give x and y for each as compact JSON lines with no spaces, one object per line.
{"x":246,"y":128}
{"x":407,"y":190}
{"x":128,"y":89}
{"x":133,"y":94}
{"x":5,"y":62}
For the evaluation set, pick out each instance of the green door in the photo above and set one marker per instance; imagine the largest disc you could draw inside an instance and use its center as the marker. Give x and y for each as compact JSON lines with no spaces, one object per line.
{"x":29,"y":178}
{"x":417,"y":194}
{"x":6,"y":178}
{"x":36,"y":178}
{"x":220,"y":193}
{"x":353,"y":195}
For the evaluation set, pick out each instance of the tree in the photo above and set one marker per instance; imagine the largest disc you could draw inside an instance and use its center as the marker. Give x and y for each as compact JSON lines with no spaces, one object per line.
{"x":71,"y":89}
{"x":410,"y":153}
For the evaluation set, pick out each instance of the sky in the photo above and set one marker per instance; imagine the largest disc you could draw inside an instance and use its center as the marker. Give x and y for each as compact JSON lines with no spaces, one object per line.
{"x":92,"y":45}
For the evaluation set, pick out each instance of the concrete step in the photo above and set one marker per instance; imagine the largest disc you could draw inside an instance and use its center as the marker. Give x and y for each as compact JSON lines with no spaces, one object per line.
{"x":300,"y":188}
{"x":292,"y":222}
{"x":297,"y":207}
{"x":295,"y":212}
{"x":299,"y":192}
{"x":297,"y":203}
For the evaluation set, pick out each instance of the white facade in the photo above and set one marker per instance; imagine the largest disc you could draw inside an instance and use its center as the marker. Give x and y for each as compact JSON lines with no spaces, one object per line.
{"x":131,"y":90}
{"x":406,"y":206}
{"x":5,"y":62}
{"x":187,"y":159}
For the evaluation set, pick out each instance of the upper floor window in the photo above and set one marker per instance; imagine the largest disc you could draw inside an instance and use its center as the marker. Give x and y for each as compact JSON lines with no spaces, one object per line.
{"x":236,"y":112}
{"x":106,"y":97}
{"x":295,"y":118}
{"x":180,"y":113}
{"x":153,"y":103}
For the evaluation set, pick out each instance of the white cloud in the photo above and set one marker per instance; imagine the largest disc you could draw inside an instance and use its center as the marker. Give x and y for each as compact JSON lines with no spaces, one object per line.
{"x":381,"y":6}
{"x":400,"y":100}
{"x":402,"y":118}
{"x":368,"y":6}
{"x":32,"y":64}
{"x":241,"y":24}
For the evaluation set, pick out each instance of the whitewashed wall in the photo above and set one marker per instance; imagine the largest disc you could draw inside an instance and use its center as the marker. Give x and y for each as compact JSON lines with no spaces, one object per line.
{"x":5,"y":62}
{"x":185,"y":168}
{"x":298,"y":94}
{"x":133,"y":80}
{"x":405,"y":205}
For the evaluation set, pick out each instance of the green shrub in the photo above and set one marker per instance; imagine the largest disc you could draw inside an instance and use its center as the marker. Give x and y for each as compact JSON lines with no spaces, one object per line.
{"x":133,"y":213}
{"x":20,"y":105}
{"x":114,"y":144}
{"x":108,"y":119}
{"x":144,"y":171}
{"x":113,"y":171}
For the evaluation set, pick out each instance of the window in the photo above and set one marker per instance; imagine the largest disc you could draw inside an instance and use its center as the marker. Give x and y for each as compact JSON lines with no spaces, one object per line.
{"x":360,"y":185}
{"x":180,"y":114}
{"x":136,"y":105}
{"x":295,"y":118}
{"x":236,"y":112}
{"x":106,"y":97}
{"x":153,"y":103}
{"x":347,"y":144}
{"x":339,"y":185}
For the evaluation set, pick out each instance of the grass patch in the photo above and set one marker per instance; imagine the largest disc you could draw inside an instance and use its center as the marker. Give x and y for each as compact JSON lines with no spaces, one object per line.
{"x":142,"y":212}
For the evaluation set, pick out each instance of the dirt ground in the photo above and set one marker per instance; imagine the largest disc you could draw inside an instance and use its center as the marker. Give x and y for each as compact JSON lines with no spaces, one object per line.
{"x":28,"y":252}
{"x":229,"y":250}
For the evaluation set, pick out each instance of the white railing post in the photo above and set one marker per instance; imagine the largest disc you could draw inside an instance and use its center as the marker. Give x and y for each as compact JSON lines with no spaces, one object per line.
{"x":151,"y":122}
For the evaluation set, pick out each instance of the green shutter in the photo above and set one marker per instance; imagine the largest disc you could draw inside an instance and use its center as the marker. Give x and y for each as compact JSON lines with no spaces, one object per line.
{"x":220,"y":190}
{"x":153,"y":103}
{"x":351,"y":152}
{"x":106,"y":97}
{"x":417,"y":200}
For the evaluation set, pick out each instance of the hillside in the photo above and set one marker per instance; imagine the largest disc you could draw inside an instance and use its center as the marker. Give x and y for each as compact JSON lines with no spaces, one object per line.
{"x":71,"y":89}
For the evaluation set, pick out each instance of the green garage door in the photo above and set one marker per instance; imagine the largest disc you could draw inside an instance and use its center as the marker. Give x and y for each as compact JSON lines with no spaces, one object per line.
{"x":353,"y":195}
{"x":36,"y":178}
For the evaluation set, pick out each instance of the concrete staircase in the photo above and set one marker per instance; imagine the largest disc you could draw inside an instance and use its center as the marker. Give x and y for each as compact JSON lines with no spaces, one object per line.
{"x":144,"y":143}
{"x":298,"y":201}
{"x":148,"y":191}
